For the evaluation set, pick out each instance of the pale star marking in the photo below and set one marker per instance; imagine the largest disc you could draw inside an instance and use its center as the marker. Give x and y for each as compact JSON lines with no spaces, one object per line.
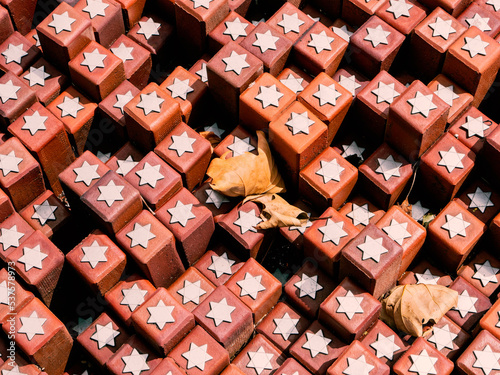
{"x":350,"y":305}
{"x":486,"y":360}
{"x":333,"y":232}
{"x":235,"y":62}
{"x":321,"y":42}
{"x":235,"y":29}
{"x":14,"y":53}
{"x":123,"y":52}
{"x":442,"y":338}
{"x":442,"y":28}
{"x":360,"y":214}
{"x":330,"y":170}
{"x":32,"y":325}
{"x":93,"y":60}
{"x":221,"y":265}
{"x":34,"y":123}
{"x":247,"y":221}
{"x":181,"y":213}
{"x":290,"y":23}
{"x":399,"y":8}
{"x":475,"y":126}
{"x":285,"y":326}
{"x":44,"y":212}
{"x":94,"y":254}
{"x":160,"y":314}
{"x":446,"y":93}
{"x":126,"y":165}
{"x":37,"y":76}
{"x":397,"y":231}
{"x":149,"y":28}
{"x":423,"y":364}
{"x":353,"y":150}
{"x":202,"y":73}
{"x":215,"y":198}
{"x":265,"y":41}
{"x":37,"y":39}
{"x":388,"y":167}
{"x":122,"y":100}
{"x":110,"y":193}
{"x":466,"y":304}
{"x":327,"y":94}
{"x":13,"y":371}
{"x":377,"y":36}
{"x":343,"y":32}
{"x":372,"y":248}
{"x":191,"y":292}
{"x":250,"y":285}
{"x":480,"y":199}
{"x":358,"y":366}
{"x":105,"y":335}
{"x":180,"y":88}
{"x":301,"y":228}
{"x":201,"y":3}
{"x":9,"y":163}
{"x":299,"y":123}
{"x":10,"y":237}
{"x":293,"y":83}
{"x":269,"y":96}
{"x":61,"y":22}
{"x":486,"y":273}
{"x":32,"y":258}
{"x":475,"y":46}
{"x":4,"y":293}
{"x":316,"y":343}
{"x":451,"y":159}
{"x":385,"y":346}
{"x":135,"y":363}
{"x":220,"y":312}
{"x":197,"y":356}
{"x":150,"y":103}
{"x":214,"y":128}
{"x":385,"y":93}
{"x":133,"y":297}
{"x":455,"y":225}
{"x":260,"y":360}
{"x":495,"y":4}
{"x":480,"y":22}
{"x":349,"y":83}
{"x":149,"y":175}
{"x":104,"y":157}
{"x":70,"y":107}
{"x":418,"y":211}
{"x":308,"y":286}
{"x":8,"y":91}
{"x":140,"y":235}
{"x":422,"y":104}
{"x":95,"y":8}
{"x":240,"y":146}
{"x":427,"y":278}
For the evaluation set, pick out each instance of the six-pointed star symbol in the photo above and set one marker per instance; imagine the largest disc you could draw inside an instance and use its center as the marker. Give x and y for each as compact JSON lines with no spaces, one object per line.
{"x":343,"y":32}
{"x":360,"y":214}
{"x":149,"y":28}
{"x":487,"y":360}
{"x":235,"y":29}
{"x":260,"y":360}
{"x":385,"y":346}
{"x":265,"y":41}
{"x":495,"y":4}
{"x":480,"y":199}
{"x":475,"y":126}
{"x":61,"y":22}
{"x":32,"y":258}
{"x":269,"y":96}
{"x":397,"y":231}
{"x":442,"y":28}
{"x":123,"y":52}
{"x":140,"y":235}
{"x":160,"y":314}
{"x":446,"y":93}
{"x":8,"y":91}
{"x":286,"y":326}
{"x":377,"y":35}
{"x":181,"y":213}
{"x":94,"y":254}
{"x":122,"y":100}
{"x":442,"y":337}
{"x":290,"y":23}
{"x":221,"y":265}
{"x":34,"y":123}
{"x":293,"y":83}
{"x":250,"y":285}
{"x":135,"y":363}
{"x":14,"y":53}
{"x":214,"y":128}
{"x":358,"y":366}
{"x":9,"y":163}
{"x":126,"y":165}
{"x":466,"y":304}
{"x":349,"y":305}
{"x":333,"y":232}
{"x":191,"y":292}
{"x":475,"y":46}
{"x":423,"y":364}
{"x":330,"y":170}
{"x":105,"y":335}
{"x":240,"y":146}
{"x":321,"y":42}
{"x":110,"y":193}
{"x":372,"y":248}
{"x":133,"y":297}
{"x":13,"y":371}
{"x":201,"y":3}
{"x":399,"y":8}
{"x":482,"y":23}
{"x":95,"y":8}
{"x":486,"y":273}
{"x":308,"y":286}
{"x":388,"y":167}
{"x":385,"y":93}
{"x":180,"y":88}
{"x":427,"y":278}
{"x":93,"y":60}
{"x":197,"y":356}
{"x":247,"y":221}
{"x":451,"y":159}
{"x":316,"y":343}
{"x":418,"y":211}
{"x":352,"y":150}
{"x":349,"y":83}
{"x":4,"y":293}
{"x":220,"y":312}
{"x":455,"y":225}
{"x":202,"y":73}
{"x":215,"y":198}
{"x":235,"y":62}
{"x":32,"y":325}
{"x":150,"y":175}
{"x":37,"y":76}
{"x":327,"y":94}
{"x":150,"y":103}
{"x":10,"y":237}
{"x":299,"y":123}
{"x":422,"y":104}
{"x":70,"y":106}
{"x":44,"y":212}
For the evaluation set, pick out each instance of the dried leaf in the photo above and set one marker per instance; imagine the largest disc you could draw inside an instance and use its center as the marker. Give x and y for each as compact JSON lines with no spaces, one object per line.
{"x":211,"y":137}
{"x":406,"y":207}
{"x":247,"y":174}
{"x":277,"y":212}
{"x":426,"y":220}
{"x":415,"y":308}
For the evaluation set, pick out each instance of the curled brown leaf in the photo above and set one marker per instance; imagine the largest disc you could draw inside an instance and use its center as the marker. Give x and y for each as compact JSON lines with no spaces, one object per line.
{"x":277,"y":212}
{"x":211,"y":137}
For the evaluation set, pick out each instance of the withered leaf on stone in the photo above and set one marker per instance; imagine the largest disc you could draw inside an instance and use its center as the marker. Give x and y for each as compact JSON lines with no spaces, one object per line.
{"x":247,"y":174}
{"x":211,"y":137}
{"x":414,"y":309}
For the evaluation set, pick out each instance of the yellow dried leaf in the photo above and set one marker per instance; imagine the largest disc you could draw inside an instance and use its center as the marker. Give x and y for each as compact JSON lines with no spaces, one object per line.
{"x":415,"y":308}
{"x":247,"y":174}
{"x":406,"y":207}
{"x":211,"y":137}
{"x":277,"y":212}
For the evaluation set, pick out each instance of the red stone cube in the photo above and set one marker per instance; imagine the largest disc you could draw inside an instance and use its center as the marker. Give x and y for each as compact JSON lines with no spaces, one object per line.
{"x":403,"y":15}
{"x":17,"y":54}
{"x":425,"y":273}
{"x":481,"y":17}
{"x":167,"y":364}
{"x":15,"y":296}
{"x":448,"y":338}
{"x":481,"y":200}
{"x":259,"y":355}
{"x":191,"y":289}
{"x":152,"y":33}
{"x":361,"y":212}
{"x":481,"y":355}
{"x":218,"y":265}
{"x":357,"y":12}
{"x":490,"y":320}
{"x":135,"y":356}
{"x":233,"y":28}
{"x":237,"y":143}
{"x":384,"y":343}
{"x":294,"y":78}
{"x":14,"y":231}
{"x":357,"y":357}
{"x":16,"y":97}
{"x":290,"y":22}
{"x":125,"y":159}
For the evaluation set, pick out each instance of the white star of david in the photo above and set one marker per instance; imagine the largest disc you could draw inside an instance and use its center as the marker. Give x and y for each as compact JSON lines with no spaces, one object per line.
{"x":14,"y":53}
{"x":36,"y":76}
{"x":451,"y":159}
{"x":10,"y":237}
{"x":191,"y":292}
{"x":466,"y":304}
{"x":442,"y":28}
{"x":250,"y":285}
{"x":480,"y":22}
{"x":93,"y":60}
{"x":475,"y":46}
{"x":61,"y":22}
{"x":235,"y":62}
{"x":397,"y":231}
{"x":181,"y":213}
{"x":247,"y":221}
{"x":221,"y":265}
{"x":34,"y":123}
{"x":9,"y":163}
{"x":455,"y":225}
{"x":486,"y":273}
{"x":321,"y":42}
{"x":446,"y":93}
{"x":422,"y":104}
{"x":475,"y":126}
{"x":316,"y":343}
{"x":150,"y":103}
{"x":133,"y":297}
{"x":442,"y":338}
{"x":110,"y":193}
{"x":308,"y":286}
{"x":160,"y":314}
{"x":123,"y":52}
{"x":135,"y":363}
{"x":126,"y":165}
{"x":95,"y":8}
{"x":104,"y":335}
{"x":197,"y":356}
{"x":215,"y":198}
{"x":235,"y":29}
{"x":240,"y":146}
{"x":122,"y":100}
{"x":70,"y":107}
{"x":140,"y":235}
{"x":285,"y":326}
{"x":44,"y":212}
{"x":220,"y":312}
{"x":427,"y":278}
{"x":149,"y":28}
{"x":32,"y":325}
{"x":180,"y":88}
{"x":385,"y":346}
{"x":293,"y":83}
{"x":423,"y":364}
{"x":388,"y":167}
{"x":372,"y":248}
{"x":150,"y":175}
{"x":299,"y":123}
{"x":8,"y":91}
{"x":94,"y":254}
{"x":260,"y":360}
{"x":399,"y":8}
{"x":269,"y":96}
{"x":290,"y":23}
{"x":486,"y":360}
{"x":350,"y":305}
{"x":265,"y":41}
{"x":360,"y":214}
{"x":377,"y":35}
{"x":333,"y":232}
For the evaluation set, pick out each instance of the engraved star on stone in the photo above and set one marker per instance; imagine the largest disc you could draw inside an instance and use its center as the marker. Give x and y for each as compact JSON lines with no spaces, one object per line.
{"x":181,"y":213}
{"x":140,"y":235}
{"x":372,"y":248}
{"x":446,"y":93}
{"x":61,"y":22}
{"x":44,"y":212}
{"x":475,"y":126}
{"x":455,"y":225}
{"x":202,"y":73}
{"x":70,"y":106}
{"x":385,"y":93}
{"x":480,"y":199}
{"x":316,"y":343}
{"x":308,"y":286}
{"x":110,"y":193}
{"x":360,"y":214}
{"x":302,"y":228}
{"x":299,"y":123}
{"x":353,"y":150}
{"x":9,"y":163}
{"x":422,"y":104}
{"x":93,"y":60}
{"x":327,"y":94}
{"x":135,"y":363}
{"x":215,"y":198}
{"x":397,"y":231}
{"x":495,"y":4}
{"x":133,"y":297}
{"x":105,"y":335}
{"x":201,"y":3}
{"x":94,"y":254}
{"x":466,"y":304}
{"x":451,"y":159}
{"x":149,"y":175}
{"x":160,"y":314}
{"x":104,"y":157}
{"x":377,"y":36}
{"x":214,"y":128}
{"x":247,"y":221}
{"x":487,"y":360}
{"x":10,"y":237}
{"x":285,"y":326}
{"x":123,"y":52}
{"x":330,"y":170}
{"x":358,"y":366}
{"x":427,"y":278}
{"x":486,"y":273}
{"x":399,"y":8}
{"x":349,"y":83}
{"x":290,"y":23}
{"x":260,"y":360}
{"x":235,"y":29}
{"x":480,"y":22}
{"x":269,"y":96}
{"x":221,"y":265}
{"x":4,"y":293}
{"x":333,"y":232}
{"x":321,"y":42}
{"x":197,"y":356}
{"x":423,"y":364}
{"x":32,"y":258}
{"x":265,"y":41}
{"x":293,"y":83}
{"x":350,"y":305}
{"x":149,"y":28}
{"x":95,"y":8}
{"x":442,"y":338}
{"x":14,"y":53}
{"x":388,"y":167}
{"x":418,"y":211}
{"x":37,"y":76}
{"x":220,"y":312}
{"x":250,"y":285}
{"x":32,"y":325}
{"x":122,"y":100}
{"x":8,"y":91}
{"x":34,"y":123}
{"x":385,"y":346}
{"x":180,"y":88}
{"x":235,"y":62}
{"x":442,"y":28}
{"x":343,"y":32}
{"x":14,"y":370}
{"x":150,"y":103}
{"x":240,"y":146}
{"x":475,"y":46}
{"x":126,"y":165}
{"x":191,"y":292}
